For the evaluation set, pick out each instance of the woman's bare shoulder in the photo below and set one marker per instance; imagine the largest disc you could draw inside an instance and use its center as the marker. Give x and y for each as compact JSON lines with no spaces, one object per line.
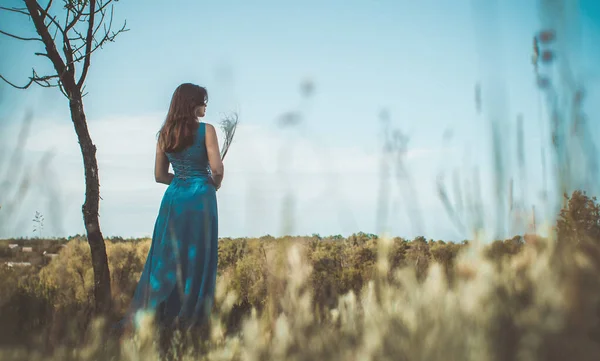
{"x":210,"y":128}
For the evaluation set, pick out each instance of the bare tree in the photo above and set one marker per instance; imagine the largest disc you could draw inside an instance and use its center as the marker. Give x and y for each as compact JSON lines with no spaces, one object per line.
{"x":78,"y":28}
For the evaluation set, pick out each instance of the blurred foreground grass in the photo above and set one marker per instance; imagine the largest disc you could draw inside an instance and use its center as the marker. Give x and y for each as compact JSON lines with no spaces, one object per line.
{"x":313,"y":298}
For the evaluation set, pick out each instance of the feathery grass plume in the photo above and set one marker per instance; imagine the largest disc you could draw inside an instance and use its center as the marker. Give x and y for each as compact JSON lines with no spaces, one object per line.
{"x":19,"y":179}
{"x":393,"y":158}
{"x":38,"y":226}
{"x":15,"y":180}
{"x":228,"y":125}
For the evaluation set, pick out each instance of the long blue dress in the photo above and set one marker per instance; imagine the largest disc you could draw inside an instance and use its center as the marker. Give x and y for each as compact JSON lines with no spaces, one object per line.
{"x":178,"y":280}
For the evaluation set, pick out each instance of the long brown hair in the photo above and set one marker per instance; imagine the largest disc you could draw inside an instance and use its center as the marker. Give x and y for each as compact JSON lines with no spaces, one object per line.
{"x":179,"y":127}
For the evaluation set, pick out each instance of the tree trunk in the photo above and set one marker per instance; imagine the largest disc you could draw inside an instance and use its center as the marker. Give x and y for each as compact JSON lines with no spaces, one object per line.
{"x":65,"y":71}
{"x":102,"y":291}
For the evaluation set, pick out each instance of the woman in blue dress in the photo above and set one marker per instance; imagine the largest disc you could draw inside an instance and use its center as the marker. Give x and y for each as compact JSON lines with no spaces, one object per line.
{"x":178,"y":280}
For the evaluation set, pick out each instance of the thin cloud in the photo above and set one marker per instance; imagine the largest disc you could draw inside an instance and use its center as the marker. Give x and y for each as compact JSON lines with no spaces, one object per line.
{"x":336,"y":193}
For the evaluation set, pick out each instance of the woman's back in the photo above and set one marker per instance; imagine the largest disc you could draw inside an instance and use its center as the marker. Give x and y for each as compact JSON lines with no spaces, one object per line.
{"x":192,"y":162}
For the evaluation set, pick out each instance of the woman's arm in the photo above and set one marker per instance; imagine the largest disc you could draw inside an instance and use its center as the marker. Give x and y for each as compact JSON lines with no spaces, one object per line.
{"x":161,"y":167}
{"x":214,"y":155}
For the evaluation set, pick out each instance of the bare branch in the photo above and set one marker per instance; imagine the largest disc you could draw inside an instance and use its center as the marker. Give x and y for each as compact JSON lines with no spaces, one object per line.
{"x":19,"y":37}
{"x":55,"y":33}
{"x":88,"y":45}
{"x":80,"y":37}
{"x":107,"y":38}
{"x":22,"y":11}
{"x":45,"y":13}
{"x":62,"y":89}
{"x":76,"y":18}
{"x":37,"y":16}
{"x":16,"y":86}
{"x":68,"y":7}
{"x":53,"y":20}
{"x":101,"y":22}
{"x":43,"y":81}
{"x":100,"y":9}
{"x":67,"y":49}
{"x":76,"y":45}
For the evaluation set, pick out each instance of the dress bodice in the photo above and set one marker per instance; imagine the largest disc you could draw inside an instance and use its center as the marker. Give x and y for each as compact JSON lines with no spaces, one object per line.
{"x":191,"y":162}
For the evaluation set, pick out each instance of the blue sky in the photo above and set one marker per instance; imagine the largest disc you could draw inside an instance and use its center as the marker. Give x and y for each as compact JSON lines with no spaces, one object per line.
{"x":419,"y":60}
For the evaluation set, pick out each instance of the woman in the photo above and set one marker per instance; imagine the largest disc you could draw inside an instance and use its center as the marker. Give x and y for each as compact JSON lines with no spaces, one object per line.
{"x":178,"y":280}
